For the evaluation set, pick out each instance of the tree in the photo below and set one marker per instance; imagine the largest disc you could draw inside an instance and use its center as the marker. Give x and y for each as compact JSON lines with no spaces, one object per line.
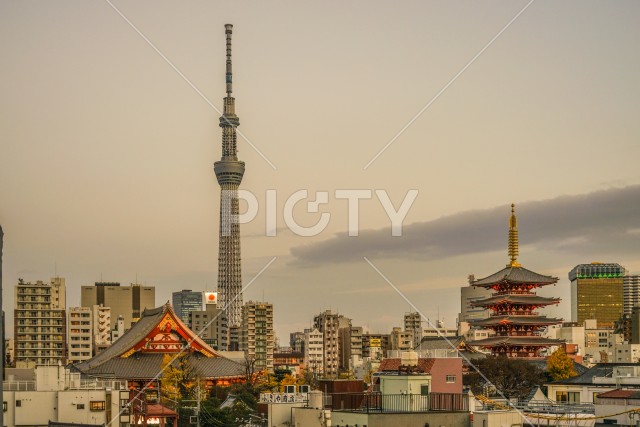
{"x":560,"y":366}
{"x":511,"y":377}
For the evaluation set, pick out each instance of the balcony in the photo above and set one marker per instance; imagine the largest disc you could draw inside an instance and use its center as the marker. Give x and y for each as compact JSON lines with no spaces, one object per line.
{"x":396,"y":403}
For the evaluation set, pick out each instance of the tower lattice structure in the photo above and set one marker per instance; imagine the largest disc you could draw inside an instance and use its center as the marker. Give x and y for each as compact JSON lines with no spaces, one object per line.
{"x":513,"y":306}
{"x":229,"y":172}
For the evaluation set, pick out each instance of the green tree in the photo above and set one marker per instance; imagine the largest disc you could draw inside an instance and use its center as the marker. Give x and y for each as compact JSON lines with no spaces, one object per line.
{"x":510,"y":377}
{"x":560,"y":366}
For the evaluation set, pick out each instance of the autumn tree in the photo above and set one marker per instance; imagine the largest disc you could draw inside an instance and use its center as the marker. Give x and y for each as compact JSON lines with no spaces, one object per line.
{"x":511,"y":377}
{"x":560,"y":366}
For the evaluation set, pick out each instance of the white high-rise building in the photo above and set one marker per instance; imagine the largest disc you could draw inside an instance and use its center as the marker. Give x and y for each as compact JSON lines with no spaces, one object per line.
{"x":80,"y":344}
{"x":468,"y":295}
{"x":313,"y":351}
{"x":40,"y":330}
{"x":413,"y":323}
{"x":631,"y":289}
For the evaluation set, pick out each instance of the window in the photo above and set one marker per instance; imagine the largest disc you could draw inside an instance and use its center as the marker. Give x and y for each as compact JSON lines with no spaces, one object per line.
{"x":80,"y":406}
{"x":424,"y":389}
{"x":4,"y":406}
{"x":18,"y":403}
{"x":97,"y":405}
{"x":568,"y":396}
{"x":451,"y":379}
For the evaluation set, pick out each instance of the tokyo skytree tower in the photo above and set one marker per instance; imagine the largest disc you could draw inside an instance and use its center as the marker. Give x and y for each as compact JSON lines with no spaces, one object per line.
{"x":229,"y":171}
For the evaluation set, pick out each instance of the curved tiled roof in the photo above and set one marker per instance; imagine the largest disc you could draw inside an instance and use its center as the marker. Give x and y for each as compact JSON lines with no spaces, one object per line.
{"x":516,"y":320}
{"x":149,"y":365}
{"x":532,"y":299}
{"x":110,"y":364}
{"x":515,"y":275}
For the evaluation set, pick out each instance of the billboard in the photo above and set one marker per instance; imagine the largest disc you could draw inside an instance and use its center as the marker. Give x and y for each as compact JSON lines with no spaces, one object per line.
{"x":375,"y":342}
{"x":211,"y":297}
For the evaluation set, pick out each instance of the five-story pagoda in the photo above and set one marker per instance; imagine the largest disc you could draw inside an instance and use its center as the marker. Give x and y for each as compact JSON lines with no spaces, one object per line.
{"x":513,"y":306}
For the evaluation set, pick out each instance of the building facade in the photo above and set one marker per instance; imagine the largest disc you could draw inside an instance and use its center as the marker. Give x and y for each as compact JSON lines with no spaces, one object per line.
{"x":126,"y":301}
{"x":40,"y":329}
{"x":413,"y":323}
{"x":469,"y":295}
{"x":101,"y":318}
{"x":314,"y":351}
{"x":597,"y":292}
{"x":401,"y":340}
{"x":80,"y":343}
{"x":631,"y":290}
{"x":257,"y":338}
{"x":186,"y":301}
{"x":329,"y":324}
{"x":211,"y":325}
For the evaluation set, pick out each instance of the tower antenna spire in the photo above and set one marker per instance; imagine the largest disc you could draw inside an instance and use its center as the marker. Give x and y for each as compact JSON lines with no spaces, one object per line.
{"x":513,"y":239}
{"x":228,"y":30}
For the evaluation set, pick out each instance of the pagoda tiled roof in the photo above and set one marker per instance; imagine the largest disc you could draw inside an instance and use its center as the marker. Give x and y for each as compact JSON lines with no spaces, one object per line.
{"x":515,"y":320}
{"x":532,"y":299}
{"x":515,"y":275}
{"x":514,"y":340}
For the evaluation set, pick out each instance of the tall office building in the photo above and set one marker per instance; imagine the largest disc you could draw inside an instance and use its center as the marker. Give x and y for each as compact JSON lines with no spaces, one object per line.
{"x":126,"y":301}
{"x":257,"y":338}
{"x":186,"y":301}
{"x":229,"y":172}
{"x":631,"y":288}
{"x":80,"y":342}
{"x":597,"y":292}
{"x":40,"y":323}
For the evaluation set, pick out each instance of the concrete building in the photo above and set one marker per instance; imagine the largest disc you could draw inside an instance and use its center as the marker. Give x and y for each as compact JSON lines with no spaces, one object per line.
{"x":375,"y":346}
{"x":329,"y":324}
{"x":211,"y":325}
{"x":401,"y":340}
{"x":314,"y":351}
{"x":296,"y":341}
{"x":597,"y":292}
{"x":101,"y":319}
{"x":469,"y":295}
{"x":186,"y":301}
{"x":119,"y":330}
{"x":57,"y":395}
{"x":631,"y":290}
{"x":80,"y":331}
{"x":40,"y":331}
{"x":413,"y":323}
{"x":126,"y":301}
{"x":350,"y":348}
{"x":257,"y":338}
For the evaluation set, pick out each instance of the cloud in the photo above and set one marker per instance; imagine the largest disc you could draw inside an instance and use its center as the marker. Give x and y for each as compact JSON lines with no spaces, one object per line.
{"x":601,"y":222}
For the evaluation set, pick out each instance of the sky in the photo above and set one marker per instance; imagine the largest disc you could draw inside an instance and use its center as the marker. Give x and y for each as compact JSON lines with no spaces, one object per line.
{"x":109,"y":130}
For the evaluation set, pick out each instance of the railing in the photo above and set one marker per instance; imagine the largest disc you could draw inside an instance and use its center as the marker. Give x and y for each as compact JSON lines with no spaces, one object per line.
{"x":549,"y":407}
{"x":18,"y":385}
{"x":378,"y":402}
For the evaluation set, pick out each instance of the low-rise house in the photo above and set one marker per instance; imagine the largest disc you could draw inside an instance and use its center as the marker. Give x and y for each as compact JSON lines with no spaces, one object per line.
{"x":602,"y":377}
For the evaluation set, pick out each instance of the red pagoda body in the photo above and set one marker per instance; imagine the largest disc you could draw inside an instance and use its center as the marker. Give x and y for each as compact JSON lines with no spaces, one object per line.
{"x":513,"y":306}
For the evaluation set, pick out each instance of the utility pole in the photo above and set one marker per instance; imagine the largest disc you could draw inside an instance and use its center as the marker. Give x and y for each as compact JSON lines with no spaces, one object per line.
{"x":198,"y":404}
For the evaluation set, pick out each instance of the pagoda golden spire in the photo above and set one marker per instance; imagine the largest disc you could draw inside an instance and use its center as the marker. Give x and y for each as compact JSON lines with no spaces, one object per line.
{"x":513,"y":238}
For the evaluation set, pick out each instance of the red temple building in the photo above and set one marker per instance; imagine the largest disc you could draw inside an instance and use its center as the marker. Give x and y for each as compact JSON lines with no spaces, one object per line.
{"x":513,"y":306}
{"x":138,"y":355}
